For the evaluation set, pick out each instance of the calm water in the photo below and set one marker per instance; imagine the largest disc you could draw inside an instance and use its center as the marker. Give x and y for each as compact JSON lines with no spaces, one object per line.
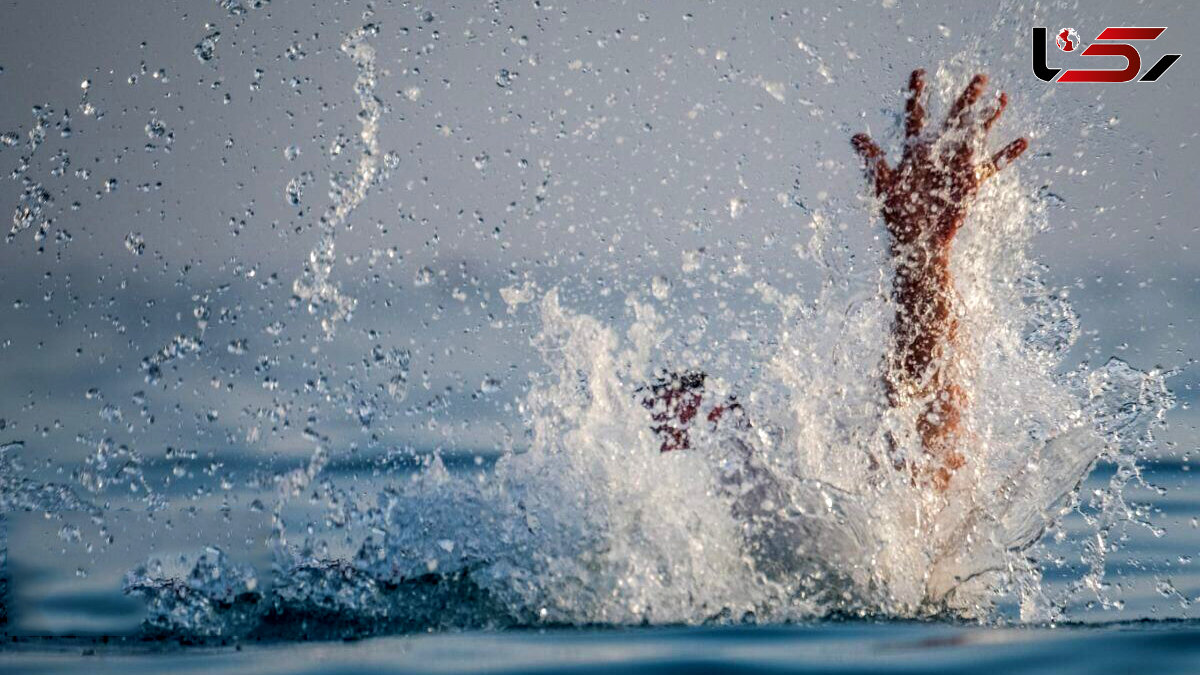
{"x":1142,"y":647}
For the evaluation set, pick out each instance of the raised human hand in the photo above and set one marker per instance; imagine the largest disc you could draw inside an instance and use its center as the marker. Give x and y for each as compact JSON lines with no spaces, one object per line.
{"x":925,"y":197}
{"x":925,"y":201}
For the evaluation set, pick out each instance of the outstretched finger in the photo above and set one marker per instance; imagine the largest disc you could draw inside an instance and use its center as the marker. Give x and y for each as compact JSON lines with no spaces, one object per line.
{"x":874,"y":159}
{"x":1003,"y":158}
{"x":968,"y":98}
{"x":1001,"y":104}
{"x":915,"y":119}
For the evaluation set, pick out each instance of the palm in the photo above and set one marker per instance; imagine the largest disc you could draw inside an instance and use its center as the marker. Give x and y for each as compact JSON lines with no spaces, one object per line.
{"x":925,"y":200}
{"x":926,"y":195}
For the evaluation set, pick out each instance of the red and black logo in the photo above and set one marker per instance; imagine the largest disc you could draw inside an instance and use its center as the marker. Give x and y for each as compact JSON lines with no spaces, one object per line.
{"x":1067,"y":40}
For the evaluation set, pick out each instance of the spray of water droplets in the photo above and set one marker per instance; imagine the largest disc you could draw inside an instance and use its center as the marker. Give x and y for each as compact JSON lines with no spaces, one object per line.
{"x":315,"y":286}
{"x":585,"y":522}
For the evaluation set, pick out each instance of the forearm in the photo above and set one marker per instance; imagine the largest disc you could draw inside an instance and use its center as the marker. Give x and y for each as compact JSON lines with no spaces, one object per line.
{"x":924,"y":203}
{"x":924,"y":325}
{"x":923,"y":364}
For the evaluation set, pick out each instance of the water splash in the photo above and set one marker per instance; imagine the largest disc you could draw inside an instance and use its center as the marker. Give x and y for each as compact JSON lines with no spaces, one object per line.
{"x":19,"y":492}
{"x":583,"y":521}
{"x":315,"y":286}
{"x":789,"y":520}
{"x":799,"y":515}
{"x":216,"y":597}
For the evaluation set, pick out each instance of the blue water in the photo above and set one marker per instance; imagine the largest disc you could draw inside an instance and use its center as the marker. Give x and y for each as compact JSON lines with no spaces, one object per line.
{"x":1138,"y":647}
{"x":190,"y":363}
{"x":57,"y":629}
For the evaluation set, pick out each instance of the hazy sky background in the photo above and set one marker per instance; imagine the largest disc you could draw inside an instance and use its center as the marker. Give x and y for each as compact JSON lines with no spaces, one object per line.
{"x":591,"y":145}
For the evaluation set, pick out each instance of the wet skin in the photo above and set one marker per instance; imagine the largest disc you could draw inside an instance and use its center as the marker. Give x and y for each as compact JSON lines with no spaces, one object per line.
{"x":924,"y":202}
{"x":675,"y":400}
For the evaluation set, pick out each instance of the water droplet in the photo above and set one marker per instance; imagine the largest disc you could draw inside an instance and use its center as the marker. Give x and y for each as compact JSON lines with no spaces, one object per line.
{"x":135,"y":243}
{"x":156,"y":129}
{"x":70,"y":533}
{"x":737,"y":206}
{"x":205,"y":49}
{"x":294,"y":192}
{"x":490,"y":385}
{"x":660,"y":287}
